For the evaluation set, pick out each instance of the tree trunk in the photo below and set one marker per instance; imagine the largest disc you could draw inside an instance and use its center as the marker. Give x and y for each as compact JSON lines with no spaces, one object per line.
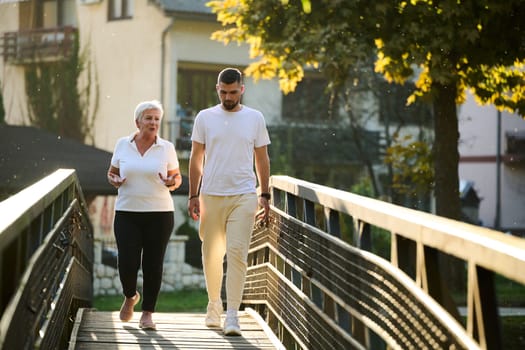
{"x":448,"y":203}
{"x":446,"y":155}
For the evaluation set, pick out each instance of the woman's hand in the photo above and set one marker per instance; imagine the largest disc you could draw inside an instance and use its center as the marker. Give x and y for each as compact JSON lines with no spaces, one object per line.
{"x":115,"y":180}
{"x":171,"y":181}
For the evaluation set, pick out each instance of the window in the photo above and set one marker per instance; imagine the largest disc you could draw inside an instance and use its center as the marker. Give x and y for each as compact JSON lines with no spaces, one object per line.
{"x":195,"y":90}
{"x":120,"y":9}
{"x":309,"y":103}
{"x":393,"y":107}
{"x":515,"y":142}
{"x":47,"y":14}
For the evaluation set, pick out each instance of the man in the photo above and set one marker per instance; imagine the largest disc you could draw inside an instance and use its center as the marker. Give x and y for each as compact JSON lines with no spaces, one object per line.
{"x":226,"y":139}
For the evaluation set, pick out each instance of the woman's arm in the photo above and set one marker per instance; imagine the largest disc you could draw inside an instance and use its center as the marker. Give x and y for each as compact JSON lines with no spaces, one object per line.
{"x":173,"y":180}
{"x":114,"y":177}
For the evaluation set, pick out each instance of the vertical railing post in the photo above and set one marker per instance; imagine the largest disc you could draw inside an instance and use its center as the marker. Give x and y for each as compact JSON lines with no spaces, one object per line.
{"x":437,"y":288}
{"x":483,"y":318}
{"x":404,"y":252}
{"x":333,"y":226}
{"x":309,"y":212}
{"x":290,"y":206}
{"x":362,"y":235}
{"x":276,"y":197}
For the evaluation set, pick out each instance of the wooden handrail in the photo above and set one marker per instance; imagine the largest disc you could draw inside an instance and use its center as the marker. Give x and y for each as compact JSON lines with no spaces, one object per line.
{"x":493,"y":250}
{"x":316,"y":290}
{"x":46,"y":257}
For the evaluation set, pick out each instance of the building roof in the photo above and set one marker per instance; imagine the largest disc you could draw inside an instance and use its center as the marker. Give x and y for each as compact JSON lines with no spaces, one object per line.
{"x":28,"y":154}
{"x":468,"y":193}
{"x":188,"y":9}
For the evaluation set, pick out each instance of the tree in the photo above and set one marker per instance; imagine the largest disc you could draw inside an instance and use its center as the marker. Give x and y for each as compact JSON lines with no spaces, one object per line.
{"x":448,"y":46}
{"x":59,"y":95}
{"x":62,"y":92}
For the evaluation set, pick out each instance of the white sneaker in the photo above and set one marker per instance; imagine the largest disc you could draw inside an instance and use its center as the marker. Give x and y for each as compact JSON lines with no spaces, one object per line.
{"x":213,"y":316}
{"x":231,"y":325}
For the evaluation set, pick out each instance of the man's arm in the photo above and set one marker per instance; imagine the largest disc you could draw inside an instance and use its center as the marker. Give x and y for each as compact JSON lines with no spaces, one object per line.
{"x":114,"y":177}
{"x":262,"y":167}
{"x":195,"y":174}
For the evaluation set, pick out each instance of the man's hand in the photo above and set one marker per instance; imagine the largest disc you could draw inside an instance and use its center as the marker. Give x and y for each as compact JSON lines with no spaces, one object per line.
{"x":263,"y":217}
{"x":194,"y":210}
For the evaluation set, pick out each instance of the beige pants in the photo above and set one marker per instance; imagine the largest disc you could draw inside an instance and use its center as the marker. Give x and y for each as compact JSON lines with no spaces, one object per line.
{"x":226,"y":226}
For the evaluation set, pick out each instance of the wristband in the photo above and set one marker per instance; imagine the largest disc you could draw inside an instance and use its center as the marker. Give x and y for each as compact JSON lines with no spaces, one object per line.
{"x":266,"y":195}
{"x":194,"y":196}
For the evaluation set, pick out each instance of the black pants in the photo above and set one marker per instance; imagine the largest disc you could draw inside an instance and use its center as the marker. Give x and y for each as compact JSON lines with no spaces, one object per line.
{"x":142,"y":238}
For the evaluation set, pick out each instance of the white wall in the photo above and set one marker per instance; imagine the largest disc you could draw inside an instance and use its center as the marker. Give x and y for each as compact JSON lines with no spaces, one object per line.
{"x":478,"y":149}
{"x":126,"y":57}
{"x":190,"y":42}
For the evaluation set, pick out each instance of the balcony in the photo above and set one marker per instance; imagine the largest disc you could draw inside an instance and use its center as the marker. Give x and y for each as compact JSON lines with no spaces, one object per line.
{"x":38,"y":45}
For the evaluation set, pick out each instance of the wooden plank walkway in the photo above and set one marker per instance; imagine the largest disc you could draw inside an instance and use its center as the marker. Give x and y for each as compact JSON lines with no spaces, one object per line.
{"x":95,"y":330}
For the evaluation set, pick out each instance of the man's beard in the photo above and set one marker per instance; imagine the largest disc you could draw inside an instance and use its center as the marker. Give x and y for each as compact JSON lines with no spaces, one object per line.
{"x":229,"y":105}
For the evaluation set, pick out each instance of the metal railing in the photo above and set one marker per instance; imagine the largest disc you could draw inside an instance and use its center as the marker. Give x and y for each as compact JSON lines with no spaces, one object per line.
{"x":40,"y":44}
{"x":46,"y":257}
{"x":317,"y":291}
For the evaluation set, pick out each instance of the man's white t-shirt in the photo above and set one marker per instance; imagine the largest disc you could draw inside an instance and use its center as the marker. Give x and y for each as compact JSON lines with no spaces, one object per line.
{"x":229,"y":139}
{"x":143,"y":189}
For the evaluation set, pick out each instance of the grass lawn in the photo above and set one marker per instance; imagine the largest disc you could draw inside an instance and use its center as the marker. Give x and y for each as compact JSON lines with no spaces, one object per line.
{"x":191,"y":300}
{"x":513,"y":332}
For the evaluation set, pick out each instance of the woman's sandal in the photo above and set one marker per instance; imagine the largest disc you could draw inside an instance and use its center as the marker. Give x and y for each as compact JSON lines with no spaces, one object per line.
{"x":147,"y":324}
{"x":126,"y":310}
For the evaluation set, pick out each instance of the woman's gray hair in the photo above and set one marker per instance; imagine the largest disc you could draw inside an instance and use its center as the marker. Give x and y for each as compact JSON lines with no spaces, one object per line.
{"x":145,"y":105}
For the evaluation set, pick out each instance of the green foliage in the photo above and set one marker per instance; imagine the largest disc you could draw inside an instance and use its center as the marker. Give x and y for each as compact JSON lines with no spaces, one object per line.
{"x":513,"y":332}
{"x":327,"y":154}
{"x":186,"y":300}
{"x":412,"y":165}
{"x":326,"y":145}
{"x":463,"y":43}
{"x":476,"y":44}
{"x":447,"y":46}
{"x":56,"y":101}
{"x":363,"y":187}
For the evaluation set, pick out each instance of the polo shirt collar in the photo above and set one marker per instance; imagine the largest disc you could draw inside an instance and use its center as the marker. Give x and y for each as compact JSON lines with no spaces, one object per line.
{"x":131,"y":138}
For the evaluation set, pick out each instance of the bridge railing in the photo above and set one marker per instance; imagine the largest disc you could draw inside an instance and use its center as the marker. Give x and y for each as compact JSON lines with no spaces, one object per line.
{"x":46,"y":254}
{"x":317,"y":291}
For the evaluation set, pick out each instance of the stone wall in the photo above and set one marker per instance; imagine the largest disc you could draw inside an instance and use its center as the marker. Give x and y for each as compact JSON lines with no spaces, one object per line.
{"x":177,"y":274}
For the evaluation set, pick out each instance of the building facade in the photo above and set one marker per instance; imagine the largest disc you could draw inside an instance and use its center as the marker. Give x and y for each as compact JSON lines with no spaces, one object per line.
{"x":492,"y":156}
{"x":135,"y":50}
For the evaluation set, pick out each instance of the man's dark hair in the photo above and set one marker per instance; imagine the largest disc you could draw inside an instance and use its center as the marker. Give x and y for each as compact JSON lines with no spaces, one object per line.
{"x":230,"y":76}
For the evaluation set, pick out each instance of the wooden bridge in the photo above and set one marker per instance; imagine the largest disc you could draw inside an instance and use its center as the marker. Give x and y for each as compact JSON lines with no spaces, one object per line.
{"x":316,"y":277}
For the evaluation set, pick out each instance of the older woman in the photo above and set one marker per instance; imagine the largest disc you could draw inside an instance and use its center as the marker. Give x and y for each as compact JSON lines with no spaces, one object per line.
{"x":144,"y":168}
